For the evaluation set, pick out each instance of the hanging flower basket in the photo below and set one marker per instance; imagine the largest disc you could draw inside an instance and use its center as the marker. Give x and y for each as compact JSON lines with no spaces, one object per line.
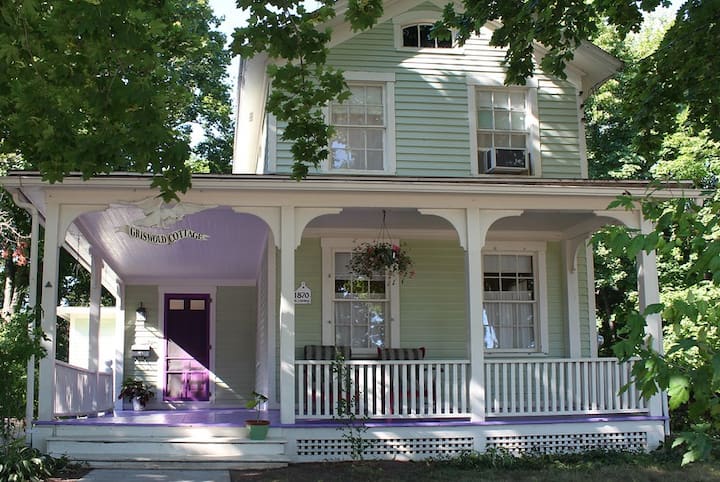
{"x":380,"y":258}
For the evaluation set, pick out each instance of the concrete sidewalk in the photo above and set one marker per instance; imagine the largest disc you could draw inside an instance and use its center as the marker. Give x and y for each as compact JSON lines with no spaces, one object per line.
{"x":150,"y":475}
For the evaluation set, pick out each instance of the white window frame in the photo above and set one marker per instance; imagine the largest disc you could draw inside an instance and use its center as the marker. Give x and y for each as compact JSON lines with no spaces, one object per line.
{"x":330,"y":246}
{"x":496,"y":83}
{"x":538,"y":250}
{"x":421,"y":17}
{"x":387,"y":82}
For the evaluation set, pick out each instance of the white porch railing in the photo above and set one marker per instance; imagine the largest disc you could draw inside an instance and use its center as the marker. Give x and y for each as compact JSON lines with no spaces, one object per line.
{"x":81,"y":392}
{"x":384,"y":389}
{"x":559,"y":387}
{"x":440,"y":388}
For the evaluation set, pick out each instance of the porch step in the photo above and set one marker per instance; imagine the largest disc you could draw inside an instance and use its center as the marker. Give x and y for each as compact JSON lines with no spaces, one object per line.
{"x":168,"y":451}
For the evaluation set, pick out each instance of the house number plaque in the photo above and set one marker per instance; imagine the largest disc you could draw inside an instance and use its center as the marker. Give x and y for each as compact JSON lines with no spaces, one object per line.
{"x":303,"y":295}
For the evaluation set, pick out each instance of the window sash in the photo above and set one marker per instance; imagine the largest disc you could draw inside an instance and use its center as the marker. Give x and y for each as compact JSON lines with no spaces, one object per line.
{"x":510,"y":302}
{"x":360,"y":124}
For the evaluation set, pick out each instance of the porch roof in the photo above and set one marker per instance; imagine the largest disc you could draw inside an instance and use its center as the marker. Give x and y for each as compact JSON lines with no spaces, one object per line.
{"x":231,"y":254}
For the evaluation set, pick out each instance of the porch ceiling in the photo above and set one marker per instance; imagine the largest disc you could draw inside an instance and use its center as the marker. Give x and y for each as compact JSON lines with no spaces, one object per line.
{"x":236,"y":241}
{"x":232,"y":251}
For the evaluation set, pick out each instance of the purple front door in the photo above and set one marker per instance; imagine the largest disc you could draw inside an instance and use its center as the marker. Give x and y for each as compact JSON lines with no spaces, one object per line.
{"x":187,"y":361}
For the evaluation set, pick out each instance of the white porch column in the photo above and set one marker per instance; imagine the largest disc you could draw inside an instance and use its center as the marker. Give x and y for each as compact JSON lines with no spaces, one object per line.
{"x":96,"y":266}
{"x":478,"y":224}
{"x":649,"y":294}
{"x":287,"y":314}
{"x":119,"y":362}
{"x":46,"y":389}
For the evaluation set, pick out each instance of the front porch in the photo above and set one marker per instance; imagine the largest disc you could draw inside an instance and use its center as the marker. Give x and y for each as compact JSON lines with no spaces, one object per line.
{"x":216,"y":438}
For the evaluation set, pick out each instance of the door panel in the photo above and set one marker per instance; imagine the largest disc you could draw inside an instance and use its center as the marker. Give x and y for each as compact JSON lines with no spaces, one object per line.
{"x":187,"y":362}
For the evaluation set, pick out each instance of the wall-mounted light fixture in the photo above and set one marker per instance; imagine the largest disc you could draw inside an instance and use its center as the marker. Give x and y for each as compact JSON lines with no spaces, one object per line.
{"x":141,"y":313}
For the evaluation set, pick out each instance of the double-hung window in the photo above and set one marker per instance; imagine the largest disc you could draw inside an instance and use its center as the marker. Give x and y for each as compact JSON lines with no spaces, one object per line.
{"x":360,"y":306}
{"x":511,"y":301}
{"x":502,"y":130}
{"x":360,"y":125}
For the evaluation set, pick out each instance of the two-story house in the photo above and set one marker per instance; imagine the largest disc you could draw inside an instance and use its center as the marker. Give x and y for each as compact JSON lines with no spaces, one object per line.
{"x":245,"y":283}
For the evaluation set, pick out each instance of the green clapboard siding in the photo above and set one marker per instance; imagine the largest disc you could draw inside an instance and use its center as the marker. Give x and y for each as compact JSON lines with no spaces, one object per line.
{"x":557,"y":326}
{"x":308,"y":318}
{"x":433,"y":304}
{"x":143,"y":333}
{"x":431,"y":104}
{"x":235,"y":328}
{"x":585,"y":315}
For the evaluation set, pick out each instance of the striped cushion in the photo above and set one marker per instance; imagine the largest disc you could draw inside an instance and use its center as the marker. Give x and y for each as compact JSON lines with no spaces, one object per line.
{"x":401,"y":353}
{"x":326,"y":352}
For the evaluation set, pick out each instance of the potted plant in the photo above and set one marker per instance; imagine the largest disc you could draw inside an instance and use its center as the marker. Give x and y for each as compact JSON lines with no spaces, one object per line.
{"x":379,"y":258}
{"x":137,"y":391}
{"x":258,"y":428}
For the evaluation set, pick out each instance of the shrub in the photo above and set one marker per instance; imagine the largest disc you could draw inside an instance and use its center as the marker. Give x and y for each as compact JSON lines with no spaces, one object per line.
{"x":20,"y":463}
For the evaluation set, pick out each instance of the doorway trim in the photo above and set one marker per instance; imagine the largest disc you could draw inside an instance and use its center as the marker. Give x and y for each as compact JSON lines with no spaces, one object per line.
{"x":211,"y":292}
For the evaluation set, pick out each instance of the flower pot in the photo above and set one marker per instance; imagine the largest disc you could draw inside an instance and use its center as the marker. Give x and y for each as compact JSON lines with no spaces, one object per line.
{"x":137,"y":404}
{"x":258,"y":429}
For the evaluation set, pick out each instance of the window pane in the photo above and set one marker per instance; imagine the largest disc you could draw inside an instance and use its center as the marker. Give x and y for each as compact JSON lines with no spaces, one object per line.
{"x":524,"y":264}
{"x":517,"y":101}
{"x":518,"y":141}
{"x":410,"y":36}
{"x":517,"y":121}
{"x":484,"y":140}
{"x":356,"y":139}
{"x":374,"y":139}
{"x":501,"y":100}
{"x":339,"y":114}
{"x":342,"y":313}
{"x":509,"y":264}
{"x":342,"y":335}
{"x":485,"y":119}
{"x":374,"y":160}
{"x":357,"y":115}
{"x":176,"y":304}
{"x":502,"y":120}
{"x":502,"y":140}
{"x":483,"y":98}
{"x":357,"y":95}
{"x":374,"y":95}
{"x":341,"y":265}
{"x":375,"y":115}
{"x":425,"y":40}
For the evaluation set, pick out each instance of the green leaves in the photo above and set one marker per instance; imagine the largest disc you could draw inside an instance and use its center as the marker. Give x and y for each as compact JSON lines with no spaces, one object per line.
{"x":96,"y":87}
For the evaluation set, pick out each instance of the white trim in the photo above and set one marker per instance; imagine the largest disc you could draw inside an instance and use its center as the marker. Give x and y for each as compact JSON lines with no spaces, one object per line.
{"x":180,"y":289}
{"x":582,"y":142}
{"x":272,"y":314}
{"x":360,"y":76}
{"x":539,"y":251}
{"x":496,"y":79}
{"x":330,"y":246}
{"x":119,"y":339}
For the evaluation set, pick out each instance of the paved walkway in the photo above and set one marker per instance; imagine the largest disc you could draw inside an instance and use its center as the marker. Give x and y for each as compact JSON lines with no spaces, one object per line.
{"x":123,"y":475}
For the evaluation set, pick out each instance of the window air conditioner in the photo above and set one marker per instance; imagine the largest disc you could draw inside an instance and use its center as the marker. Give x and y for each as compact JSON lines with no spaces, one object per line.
{"x":512,"y":161}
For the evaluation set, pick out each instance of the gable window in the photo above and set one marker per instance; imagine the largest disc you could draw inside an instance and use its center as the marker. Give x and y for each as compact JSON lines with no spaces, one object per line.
{"x":420,"y":36}
{"x":360,"y":125}
{"x":502,"y":131}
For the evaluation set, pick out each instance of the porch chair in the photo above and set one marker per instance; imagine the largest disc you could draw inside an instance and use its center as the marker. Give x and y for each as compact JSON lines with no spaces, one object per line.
{"x":315,"y":382}
{"x":405,"y":354}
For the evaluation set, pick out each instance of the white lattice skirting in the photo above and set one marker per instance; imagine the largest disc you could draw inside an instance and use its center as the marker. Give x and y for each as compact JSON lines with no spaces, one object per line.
{"x":569,"y":442}
{"x":396,"y":448}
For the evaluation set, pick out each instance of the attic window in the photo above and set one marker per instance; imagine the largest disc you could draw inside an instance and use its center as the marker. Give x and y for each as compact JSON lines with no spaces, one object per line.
{"x":419,"y":36}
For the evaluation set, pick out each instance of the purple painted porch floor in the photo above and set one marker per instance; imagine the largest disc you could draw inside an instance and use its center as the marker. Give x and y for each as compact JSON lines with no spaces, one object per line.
{"x":236,"y":417}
